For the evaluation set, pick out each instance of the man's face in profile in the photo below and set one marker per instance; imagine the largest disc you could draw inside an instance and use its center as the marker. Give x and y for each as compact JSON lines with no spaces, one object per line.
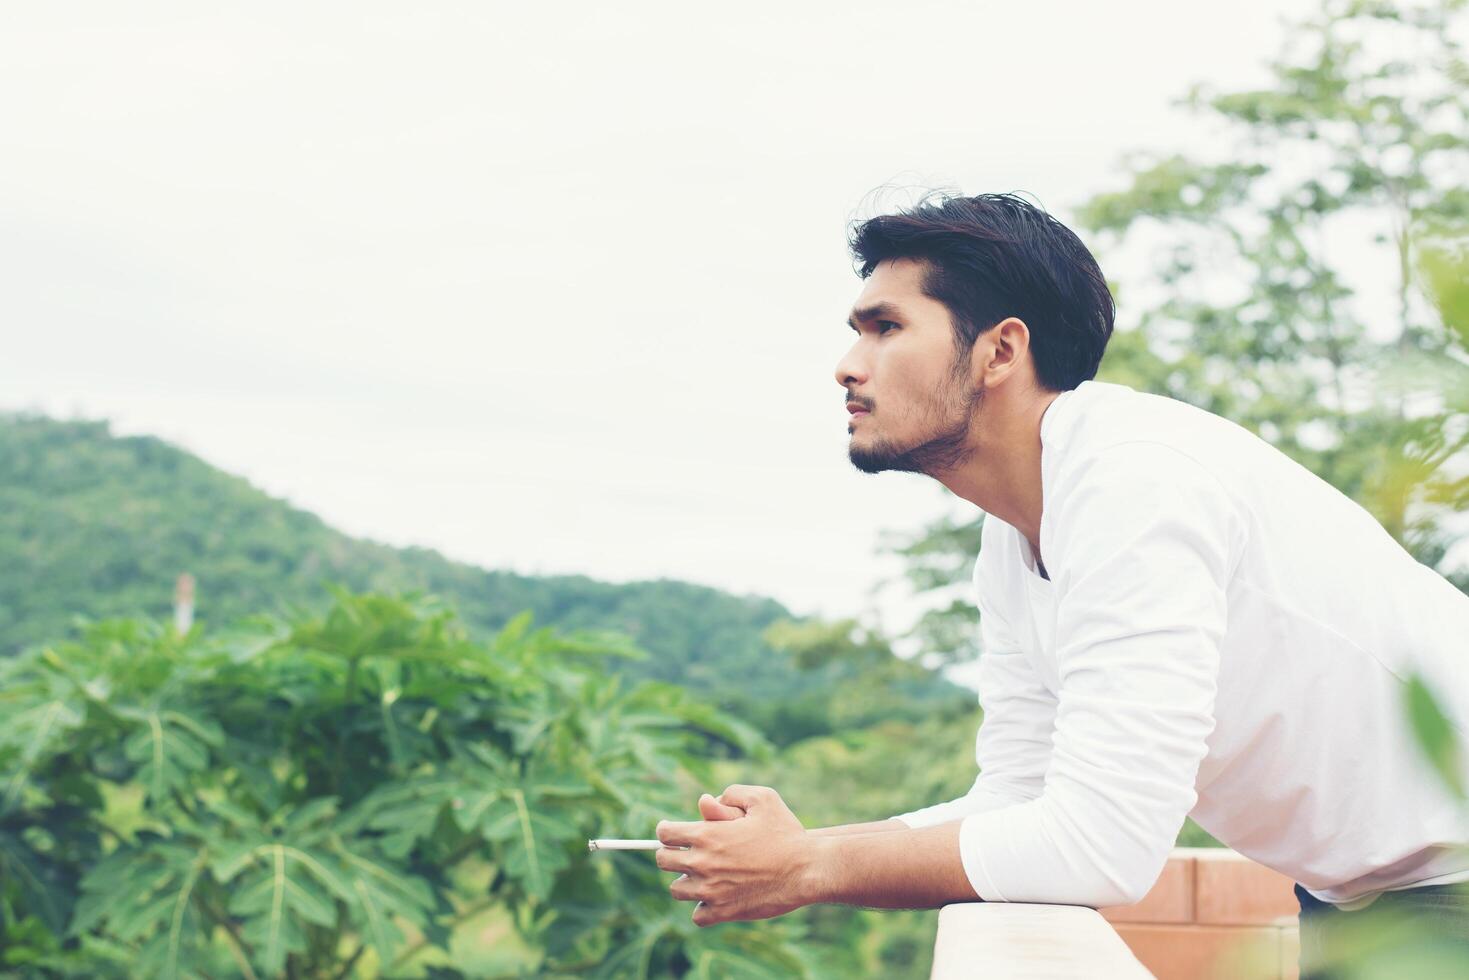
{"x":902,"y":370}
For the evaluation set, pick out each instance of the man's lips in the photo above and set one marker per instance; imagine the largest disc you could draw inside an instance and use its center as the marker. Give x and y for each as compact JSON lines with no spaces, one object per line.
{"x":856,"y":409}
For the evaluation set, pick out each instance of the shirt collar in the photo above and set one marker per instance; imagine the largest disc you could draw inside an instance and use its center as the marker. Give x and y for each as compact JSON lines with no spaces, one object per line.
{"x":1054,"y":417}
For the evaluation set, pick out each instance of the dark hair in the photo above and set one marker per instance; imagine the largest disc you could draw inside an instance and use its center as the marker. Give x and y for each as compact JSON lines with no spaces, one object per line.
{"x":994,"y":256}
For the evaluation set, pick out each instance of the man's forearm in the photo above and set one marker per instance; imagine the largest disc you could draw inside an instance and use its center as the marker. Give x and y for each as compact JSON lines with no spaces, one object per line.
{"x":893,"y":869}
{"x":876,"y":827}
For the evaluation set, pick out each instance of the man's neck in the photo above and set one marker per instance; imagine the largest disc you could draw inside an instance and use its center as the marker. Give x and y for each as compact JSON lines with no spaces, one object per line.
{"x":1003,"y":477}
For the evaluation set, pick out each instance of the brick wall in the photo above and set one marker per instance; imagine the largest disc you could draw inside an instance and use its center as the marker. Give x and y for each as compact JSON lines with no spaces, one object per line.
{"x":1213,"y":914}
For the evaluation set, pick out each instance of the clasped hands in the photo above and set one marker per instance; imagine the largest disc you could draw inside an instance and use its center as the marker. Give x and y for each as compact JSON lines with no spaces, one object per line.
{"x":749,"y":858}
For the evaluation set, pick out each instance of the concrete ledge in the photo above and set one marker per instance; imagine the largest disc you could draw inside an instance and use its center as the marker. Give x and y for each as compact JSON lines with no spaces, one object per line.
{"x":1011,"y":941}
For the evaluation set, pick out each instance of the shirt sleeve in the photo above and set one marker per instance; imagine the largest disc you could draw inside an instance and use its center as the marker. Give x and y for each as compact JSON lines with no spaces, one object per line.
{"x":1013,"y":744}
{"x":1145,"y":542}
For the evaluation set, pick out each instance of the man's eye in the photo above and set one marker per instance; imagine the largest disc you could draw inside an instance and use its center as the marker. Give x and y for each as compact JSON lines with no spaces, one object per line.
{"x":883,"y":326}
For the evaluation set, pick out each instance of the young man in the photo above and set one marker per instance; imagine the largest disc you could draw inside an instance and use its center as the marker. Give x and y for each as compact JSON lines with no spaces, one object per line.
{"x":1176,"y":618}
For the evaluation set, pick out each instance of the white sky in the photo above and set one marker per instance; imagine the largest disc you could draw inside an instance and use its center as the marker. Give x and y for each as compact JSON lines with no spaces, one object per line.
{"x":554,"y":288}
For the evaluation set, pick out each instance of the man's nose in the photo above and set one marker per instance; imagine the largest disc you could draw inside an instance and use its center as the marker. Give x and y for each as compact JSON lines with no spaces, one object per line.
{"x":850,"y":369}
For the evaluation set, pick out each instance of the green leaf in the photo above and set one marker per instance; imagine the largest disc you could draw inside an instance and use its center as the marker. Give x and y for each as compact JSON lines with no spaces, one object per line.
{"x":230,"y":859}
{"x":744,"y":952}
{"x":381,"y":891}
{"x":41,"y":890}
{"x":513,"y":633}
{"x":145,"y":894}
{"x":180,"y":929}
{"x":534,"y":843}
{"x":406,"y":812}
{"x":137,"y":918}
{"x":1444,"y":266}
{"x":545,"y":779}
{"x":632,"y":958}
{"x":308,"y":815}
{"x":276,"y":898}
{"x":48,"y":710}
{"x":205,"y":731}
{"x":1435,"y":734}
{"x":225,"y":776}
{"x":169,"y":753}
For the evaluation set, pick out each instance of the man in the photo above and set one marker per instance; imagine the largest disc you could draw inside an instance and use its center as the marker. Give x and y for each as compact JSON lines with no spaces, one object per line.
{"x":1176,"y":618}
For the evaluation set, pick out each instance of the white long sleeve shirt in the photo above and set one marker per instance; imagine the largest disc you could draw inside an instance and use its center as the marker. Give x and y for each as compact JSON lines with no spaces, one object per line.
{"x":1224,"y":635}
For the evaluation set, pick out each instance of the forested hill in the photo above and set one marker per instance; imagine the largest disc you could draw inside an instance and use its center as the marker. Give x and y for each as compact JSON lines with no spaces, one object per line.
{"x":98,"y":525}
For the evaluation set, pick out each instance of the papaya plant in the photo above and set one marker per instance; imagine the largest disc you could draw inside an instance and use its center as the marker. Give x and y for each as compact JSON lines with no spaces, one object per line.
{"x":334,"y":795}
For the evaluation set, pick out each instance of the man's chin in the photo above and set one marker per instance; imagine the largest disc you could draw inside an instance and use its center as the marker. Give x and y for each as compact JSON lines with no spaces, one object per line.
{"x":876,"y":459}
{"x":930,"y":458}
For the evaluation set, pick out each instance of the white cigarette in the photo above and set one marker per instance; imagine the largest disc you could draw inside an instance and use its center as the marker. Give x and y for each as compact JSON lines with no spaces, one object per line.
{"x":623,"y":845}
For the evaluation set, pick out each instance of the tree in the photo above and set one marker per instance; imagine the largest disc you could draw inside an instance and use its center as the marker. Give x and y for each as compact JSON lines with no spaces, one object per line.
{"x":1362,"y":139}
{"x":338,"y":792}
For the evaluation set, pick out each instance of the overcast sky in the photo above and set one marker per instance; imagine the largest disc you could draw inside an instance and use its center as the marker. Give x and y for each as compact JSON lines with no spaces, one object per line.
{"x":547,"y":287}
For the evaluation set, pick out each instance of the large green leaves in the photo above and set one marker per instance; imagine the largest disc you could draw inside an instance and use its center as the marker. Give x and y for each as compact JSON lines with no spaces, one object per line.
{"x":41,"y":704}
{"x":381,"y":892}
{"x":302,"y":869}
{"x":146,"y":895}
{"x":407,"y":812}
{"x":736,"y":951}
{"x":281,"y":890}
{"x":533,"y":843}
{"x":522,"y":813}
{"x":38,"y":884}
{"x":1349,"y":151}
{"x":170,"y":748}
{"x":284,"y":890}
{"x":308,"y":797}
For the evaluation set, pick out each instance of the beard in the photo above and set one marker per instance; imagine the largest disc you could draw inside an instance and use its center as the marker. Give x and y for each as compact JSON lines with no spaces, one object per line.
{"x":952,"y":412}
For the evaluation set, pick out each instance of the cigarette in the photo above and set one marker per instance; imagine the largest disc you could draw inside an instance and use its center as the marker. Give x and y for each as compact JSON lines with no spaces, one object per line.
{"x":606,"y":844}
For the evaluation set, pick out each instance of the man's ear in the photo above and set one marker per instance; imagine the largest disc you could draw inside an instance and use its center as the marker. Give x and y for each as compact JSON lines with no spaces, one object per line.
{"x":999,"y":351}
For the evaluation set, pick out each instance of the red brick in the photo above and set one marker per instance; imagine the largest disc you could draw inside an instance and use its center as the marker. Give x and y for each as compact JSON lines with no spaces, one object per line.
{"x":1171,"y":898}
{"x":1230,"y":889}
{"x":1195,"y":952}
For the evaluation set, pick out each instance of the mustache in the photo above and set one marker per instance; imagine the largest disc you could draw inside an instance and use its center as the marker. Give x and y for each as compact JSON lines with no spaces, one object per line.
{"x":865,"y":403}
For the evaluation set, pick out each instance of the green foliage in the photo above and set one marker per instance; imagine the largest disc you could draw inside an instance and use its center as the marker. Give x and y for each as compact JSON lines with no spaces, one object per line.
{"x":345,"y":785}
{"x":863,"y":681}
{"x":305,"y":798}
{"x":1348,"y":139}
{"x":1435,"y":734}
{"x":117,"y":519}
{"x":940,"y":560}
{"x":99,"y":526}
{"x":872,"y":773}
{"x":1245,"y":310}
{"x":1386,"y":941}
{"x":865,"y":774}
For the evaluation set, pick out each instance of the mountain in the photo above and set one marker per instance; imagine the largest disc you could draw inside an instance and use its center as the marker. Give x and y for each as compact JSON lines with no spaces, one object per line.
{"x":96,"y":525}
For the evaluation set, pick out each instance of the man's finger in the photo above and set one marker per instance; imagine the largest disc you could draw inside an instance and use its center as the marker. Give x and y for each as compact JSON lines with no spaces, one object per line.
{"x":685,"y":889}
{"x":712,"y":809}
{"x":746,"y":797}
{"x":675,"y":833}
{"x":704,"y":915}
{"x":672,"y":859}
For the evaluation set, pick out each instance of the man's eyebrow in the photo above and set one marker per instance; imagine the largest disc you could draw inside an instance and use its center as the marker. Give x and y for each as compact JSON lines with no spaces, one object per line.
{"x":872,"y":312}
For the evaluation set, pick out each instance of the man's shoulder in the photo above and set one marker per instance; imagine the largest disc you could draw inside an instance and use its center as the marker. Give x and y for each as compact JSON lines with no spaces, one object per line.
{"x":1124,"y":435}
